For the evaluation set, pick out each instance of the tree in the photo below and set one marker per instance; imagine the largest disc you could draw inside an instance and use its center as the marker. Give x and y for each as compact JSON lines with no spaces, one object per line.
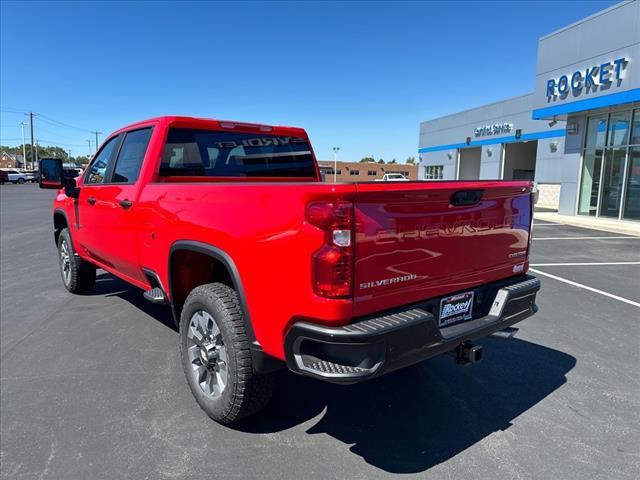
{"x":80,"y":161}
{"x":367,"y":160}
{"x":393,"y":161}
{"x":381,"y":161}
{"x":411,"y":160}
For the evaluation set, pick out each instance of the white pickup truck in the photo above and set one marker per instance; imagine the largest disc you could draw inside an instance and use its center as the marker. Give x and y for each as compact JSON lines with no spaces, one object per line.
{"x":393,"y":177}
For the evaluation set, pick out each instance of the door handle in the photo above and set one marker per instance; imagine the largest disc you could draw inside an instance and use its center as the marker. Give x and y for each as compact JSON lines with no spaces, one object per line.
{"x":125,"y":203}
{"x":91,"y":200}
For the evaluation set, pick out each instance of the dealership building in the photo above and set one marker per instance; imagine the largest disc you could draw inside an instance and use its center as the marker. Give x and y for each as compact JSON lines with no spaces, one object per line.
{"x":577,"y":135}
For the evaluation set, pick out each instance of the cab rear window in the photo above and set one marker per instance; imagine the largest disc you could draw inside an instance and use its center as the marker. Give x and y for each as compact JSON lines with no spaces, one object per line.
{"x":192,"y":152}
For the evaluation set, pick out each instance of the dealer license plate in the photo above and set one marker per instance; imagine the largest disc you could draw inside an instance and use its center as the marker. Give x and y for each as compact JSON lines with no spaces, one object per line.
{"x":456,"y":308}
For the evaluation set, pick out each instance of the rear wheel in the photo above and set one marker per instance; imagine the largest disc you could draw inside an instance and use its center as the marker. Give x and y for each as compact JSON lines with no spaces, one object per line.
{"x":21,"y":181}
{"x":78,"y":276}
{"x":216,"y":356}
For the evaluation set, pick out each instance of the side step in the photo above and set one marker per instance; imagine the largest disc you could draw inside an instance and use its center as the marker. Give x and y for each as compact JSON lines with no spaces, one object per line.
{"x":155,"y":295}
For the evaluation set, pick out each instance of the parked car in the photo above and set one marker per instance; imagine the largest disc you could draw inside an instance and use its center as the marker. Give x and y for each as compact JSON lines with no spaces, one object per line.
{"x":265,"y":266}
{"x":72,"y":172}
{"x":31,"y":176}
{"x":15,"y":176}
{"x":393,"y":177}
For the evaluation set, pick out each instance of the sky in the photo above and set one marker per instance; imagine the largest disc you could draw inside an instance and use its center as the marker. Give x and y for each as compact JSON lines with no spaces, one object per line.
{"x":360,"y":76}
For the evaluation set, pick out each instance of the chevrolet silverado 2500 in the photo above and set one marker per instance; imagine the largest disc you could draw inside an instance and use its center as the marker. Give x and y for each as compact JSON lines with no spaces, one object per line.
{"x":263,"y":265}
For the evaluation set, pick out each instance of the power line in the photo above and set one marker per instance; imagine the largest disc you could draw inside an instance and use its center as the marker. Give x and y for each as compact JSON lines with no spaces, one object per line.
{"x":64,"y":124}
{"x":49,"y":142}
{"x":11,"y":110}
{"x":42,"y":129}
{"x":60,"y":144}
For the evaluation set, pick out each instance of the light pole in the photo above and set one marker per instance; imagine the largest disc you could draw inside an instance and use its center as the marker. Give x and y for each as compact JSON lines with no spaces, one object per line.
{"x":24,"y":148}
{"x":335,"y":163}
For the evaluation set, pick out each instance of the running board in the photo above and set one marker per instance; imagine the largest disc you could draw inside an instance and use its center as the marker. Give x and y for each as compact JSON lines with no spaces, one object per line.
{"x":155,"y":295}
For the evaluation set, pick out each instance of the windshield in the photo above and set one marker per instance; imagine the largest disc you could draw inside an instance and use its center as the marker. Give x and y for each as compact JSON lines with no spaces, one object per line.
{"x":191,"y":152}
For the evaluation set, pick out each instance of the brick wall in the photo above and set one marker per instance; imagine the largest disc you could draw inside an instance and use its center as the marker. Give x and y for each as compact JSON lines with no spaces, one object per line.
{"x":365,"y":172}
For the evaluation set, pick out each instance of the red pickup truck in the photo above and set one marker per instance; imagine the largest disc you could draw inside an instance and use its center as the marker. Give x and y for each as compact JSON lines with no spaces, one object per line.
{"x":264,"y":265}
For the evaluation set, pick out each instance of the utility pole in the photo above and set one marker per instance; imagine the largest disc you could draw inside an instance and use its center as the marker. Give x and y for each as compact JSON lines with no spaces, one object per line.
{"x":89,"y":142}
{"x":69,"y":156}
{"x":24,"y":147}
{"x":31,"y":122}
{"x":335,"y":163}
{"x":96,"y":132}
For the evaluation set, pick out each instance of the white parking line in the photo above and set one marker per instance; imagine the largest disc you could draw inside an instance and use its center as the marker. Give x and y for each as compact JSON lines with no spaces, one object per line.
{"x":586,"y":287}
{"x":586,"y":238}
{"x":581,"y":264}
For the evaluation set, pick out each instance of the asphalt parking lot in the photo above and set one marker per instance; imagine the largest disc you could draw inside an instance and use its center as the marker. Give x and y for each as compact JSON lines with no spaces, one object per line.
{"x":91,"y":387}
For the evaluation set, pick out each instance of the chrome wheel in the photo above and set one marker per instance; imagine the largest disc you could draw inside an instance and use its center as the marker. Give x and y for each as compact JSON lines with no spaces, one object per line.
{"x":65,"y":262}
{"x":207,"y":354}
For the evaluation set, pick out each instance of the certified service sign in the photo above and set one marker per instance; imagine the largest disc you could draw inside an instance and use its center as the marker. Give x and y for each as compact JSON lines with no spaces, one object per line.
{"x":495,"y":129}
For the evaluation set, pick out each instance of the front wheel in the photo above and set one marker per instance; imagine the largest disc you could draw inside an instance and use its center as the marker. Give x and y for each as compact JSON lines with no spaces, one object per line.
{"x":21,"y":181}
{"x":78,"y":276}
{"x":216,"y":356}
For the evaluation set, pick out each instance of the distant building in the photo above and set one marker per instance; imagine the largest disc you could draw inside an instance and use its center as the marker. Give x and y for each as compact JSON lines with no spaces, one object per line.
{"x":577,"y":134}
{"x":11,"y":160}
{"x":365,"y":172}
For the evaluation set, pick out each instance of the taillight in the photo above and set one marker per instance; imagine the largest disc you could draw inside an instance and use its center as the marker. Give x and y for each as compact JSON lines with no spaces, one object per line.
{"x":333,"y":263}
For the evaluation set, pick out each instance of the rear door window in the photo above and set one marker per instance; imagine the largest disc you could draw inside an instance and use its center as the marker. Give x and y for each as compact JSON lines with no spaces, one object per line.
{"x":192,"y":152}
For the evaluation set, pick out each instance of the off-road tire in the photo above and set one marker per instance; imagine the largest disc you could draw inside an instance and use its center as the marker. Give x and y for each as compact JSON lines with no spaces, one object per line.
{"x":246,"y":392}
{"x":82,"y":275}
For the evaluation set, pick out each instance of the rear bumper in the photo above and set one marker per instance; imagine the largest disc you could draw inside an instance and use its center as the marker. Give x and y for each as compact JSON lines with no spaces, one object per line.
{"x":376,"y":345}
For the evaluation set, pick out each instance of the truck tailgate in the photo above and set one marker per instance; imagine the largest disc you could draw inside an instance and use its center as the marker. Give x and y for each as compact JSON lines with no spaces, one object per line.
{"x":420,"y":240}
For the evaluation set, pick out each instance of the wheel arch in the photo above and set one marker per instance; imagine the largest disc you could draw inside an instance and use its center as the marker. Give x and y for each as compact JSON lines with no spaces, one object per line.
{"x":60,"y":221}
{"x":220,"y":259}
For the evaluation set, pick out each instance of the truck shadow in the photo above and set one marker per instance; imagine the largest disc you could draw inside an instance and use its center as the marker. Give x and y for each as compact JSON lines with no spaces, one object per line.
{"x":412,"y":419}
{"x":111,"y":286}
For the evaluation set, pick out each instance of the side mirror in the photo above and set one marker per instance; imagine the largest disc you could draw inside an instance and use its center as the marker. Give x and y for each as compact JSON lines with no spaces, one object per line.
{"x":70,"y":187}
{"x":50,"y":173}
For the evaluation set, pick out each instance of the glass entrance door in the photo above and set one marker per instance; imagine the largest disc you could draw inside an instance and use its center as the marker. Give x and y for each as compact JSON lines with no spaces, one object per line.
{"x":632,"y":196}
{"x":612,"y":177}
{"x":590,"y":185}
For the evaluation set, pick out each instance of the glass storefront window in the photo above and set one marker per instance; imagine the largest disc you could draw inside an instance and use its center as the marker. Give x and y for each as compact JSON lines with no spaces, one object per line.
{"x":619,"y":125}
{"x":635,"y":131}
{"x":610,"y":177}
{"x":596,"y":131}
{"x":590,"y":184}
{"x":632,"y":194}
